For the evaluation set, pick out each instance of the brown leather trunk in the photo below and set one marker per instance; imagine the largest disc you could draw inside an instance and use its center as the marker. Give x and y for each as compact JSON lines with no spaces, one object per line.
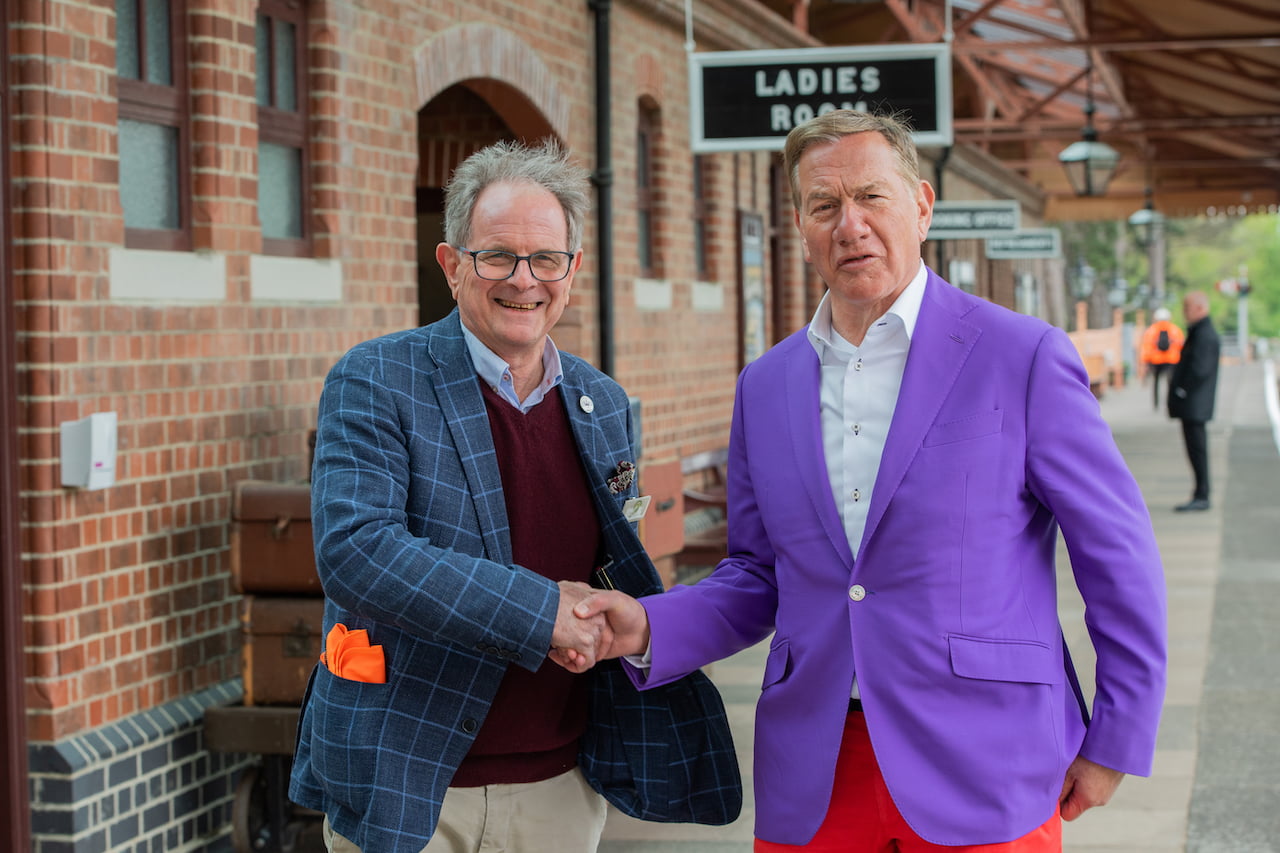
{"x":271,"y":547}
{"x":281,"y":645}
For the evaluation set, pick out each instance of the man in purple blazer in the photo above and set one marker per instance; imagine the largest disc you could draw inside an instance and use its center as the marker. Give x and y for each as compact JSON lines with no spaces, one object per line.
{"x":899,"y":471}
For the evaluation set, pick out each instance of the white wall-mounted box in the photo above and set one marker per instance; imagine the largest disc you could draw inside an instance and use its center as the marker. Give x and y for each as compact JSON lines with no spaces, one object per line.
{"x":89,"y":451}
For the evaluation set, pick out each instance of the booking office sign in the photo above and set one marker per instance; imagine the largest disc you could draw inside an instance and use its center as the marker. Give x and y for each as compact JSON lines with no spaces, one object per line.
{"x":749,"y":100}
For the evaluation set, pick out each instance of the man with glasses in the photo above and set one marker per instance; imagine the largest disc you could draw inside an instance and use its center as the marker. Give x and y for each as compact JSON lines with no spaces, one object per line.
{"x":469,"y":480}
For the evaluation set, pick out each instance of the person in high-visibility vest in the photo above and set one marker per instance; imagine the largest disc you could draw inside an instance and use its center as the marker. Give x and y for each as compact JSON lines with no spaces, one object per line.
{"x":1160,"y":350}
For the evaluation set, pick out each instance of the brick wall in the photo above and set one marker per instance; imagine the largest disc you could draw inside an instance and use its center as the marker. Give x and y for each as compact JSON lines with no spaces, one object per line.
{"x":682,"y":361}
{"x":130,"y":601}
{"x":130,"y":606}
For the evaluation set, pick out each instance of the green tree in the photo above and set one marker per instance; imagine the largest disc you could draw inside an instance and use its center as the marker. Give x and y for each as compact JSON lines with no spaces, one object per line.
{"x":1204,"y":252}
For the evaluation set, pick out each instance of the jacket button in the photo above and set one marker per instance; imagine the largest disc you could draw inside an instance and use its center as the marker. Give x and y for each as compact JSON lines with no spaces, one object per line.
{"x":469,"y":725}
{"x":857,"y":592}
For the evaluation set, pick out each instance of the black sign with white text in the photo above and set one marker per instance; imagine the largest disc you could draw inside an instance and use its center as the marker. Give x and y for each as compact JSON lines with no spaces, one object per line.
{"x":750,"y":100}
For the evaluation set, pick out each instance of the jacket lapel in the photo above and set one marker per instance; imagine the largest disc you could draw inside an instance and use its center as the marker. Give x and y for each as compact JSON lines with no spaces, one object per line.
{"x":804,"y":422}
{"x":458,"y":390}
{"x":940,"y":345}
{"x":586,"y":432}
{"x":632,"y":570}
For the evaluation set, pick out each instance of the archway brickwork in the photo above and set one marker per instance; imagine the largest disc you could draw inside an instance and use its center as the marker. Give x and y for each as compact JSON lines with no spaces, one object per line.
{"x":487,"y":52}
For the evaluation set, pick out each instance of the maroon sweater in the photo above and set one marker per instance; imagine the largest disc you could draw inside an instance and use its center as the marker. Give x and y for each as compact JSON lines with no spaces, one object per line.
{"x":533,"y":726}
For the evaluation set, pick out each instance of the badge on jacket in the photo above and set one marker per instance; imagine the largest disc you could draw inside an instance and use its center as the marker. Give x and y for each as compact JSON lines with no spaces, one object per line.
{"x":635,"y":508}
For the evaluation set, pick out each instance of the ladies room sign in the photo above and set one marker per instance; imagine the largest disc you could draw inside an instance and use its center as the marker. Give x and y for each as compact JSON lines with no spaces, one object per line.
{"x":749,"y":100}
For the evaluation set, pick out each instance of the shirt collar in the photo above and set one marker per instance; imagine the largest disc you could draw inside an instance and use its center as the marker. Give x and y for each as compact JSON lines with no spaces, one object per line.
{"x":906,"y":308}
{"x":496,"y":373}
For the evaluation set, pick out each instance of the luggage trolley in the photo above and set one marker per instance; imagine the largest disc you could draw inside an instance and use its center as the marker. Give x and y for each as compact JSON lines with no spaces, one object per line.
{"x":282,"y":613}
{"x":262,"y":818}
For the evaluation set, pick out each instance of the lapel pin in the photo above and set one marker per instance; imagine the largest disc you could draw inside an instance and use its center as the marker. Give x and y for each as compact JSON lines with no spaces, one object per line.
{"x":622,"y":477}
{"x":585,"y":403}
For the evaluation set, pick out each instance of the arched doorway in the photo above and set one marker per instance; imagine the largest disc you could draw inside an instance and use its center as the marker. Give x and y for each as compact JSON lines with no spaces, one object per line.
{"x":452,"y":126}
{"x":462,"y":119}
{"x":478,"y":84}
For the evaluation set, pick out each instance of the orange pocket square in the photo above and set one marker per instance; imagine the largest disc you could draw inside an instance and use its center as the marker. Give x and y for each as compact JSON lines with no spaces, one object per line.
{"x":348,"y":655}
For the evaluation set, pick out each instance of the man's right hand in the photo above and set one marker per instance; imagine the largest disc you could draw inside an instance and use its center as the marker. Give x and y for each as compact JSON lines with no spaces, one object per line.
{"x":575,"y":641}
{"x":628,"y":623}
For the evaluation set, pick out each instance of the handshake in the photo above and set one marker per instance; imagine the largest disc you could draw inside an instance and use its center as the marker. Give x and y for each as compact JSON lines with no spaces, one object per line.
{"x":594,"y":625}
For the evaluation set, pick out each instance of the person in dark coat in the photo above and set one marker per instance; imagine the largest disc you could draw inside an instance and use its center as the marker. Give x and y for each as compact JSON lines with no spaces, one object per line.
{"x":1192,"y":389}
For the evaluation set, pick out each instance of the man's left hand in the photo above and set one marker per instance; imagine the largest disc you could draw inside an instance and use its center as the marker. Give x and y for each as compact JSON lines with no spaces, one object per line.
{"x":1088,"y":784}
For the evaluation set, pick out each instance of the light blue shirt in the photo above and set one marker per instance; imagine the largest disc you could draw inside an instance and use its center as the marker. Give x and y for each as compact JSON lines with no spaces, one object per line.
{"x":496,"y":373}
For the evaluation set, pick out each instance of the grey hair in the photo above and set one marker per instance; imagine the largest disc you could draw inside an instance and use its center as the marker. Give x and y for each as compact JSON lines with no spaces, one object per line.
{"x":546,"y":165}
{"x":837,"y":124}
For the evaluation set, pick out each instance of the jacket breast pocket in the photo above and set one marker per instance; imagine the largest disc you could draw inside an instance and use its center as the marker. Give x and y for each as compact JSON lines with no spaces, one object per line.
{"x":1021,"y":661}
{"x":966,"y":428}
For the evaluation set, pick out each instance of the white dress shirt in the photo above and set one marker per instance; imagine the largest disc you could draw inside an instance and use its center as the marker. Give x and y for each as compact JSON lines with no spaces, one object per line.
{"x":859,"y":393}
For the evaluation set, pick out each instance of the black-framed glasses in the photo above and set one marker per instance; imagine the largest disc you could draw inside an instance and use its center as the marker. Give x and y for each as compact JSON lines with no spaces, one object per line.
{"x":496,"y":265}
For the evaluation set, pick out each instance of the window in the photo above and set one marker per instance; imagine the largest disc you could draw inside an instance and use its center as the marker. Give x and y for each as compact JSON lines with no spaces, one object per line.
{"x":645,"y":190}
{"x":283,"y":159}
{"x":155,"y":183}
{"x":701,"y":219}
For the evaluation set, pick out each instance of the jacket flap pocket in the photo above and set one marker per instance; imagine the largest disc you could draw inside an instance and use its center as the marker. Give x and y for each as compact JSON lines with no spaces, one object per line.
{"x":775,"y":668}
{"x":1003,"y":660}
{"x":963,"y":429}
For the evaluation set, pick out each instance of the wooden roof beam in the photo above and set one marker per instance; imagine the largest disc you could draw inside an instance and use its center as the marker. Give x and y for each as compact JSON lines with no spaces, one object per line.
{"x":913,"y":22}
{"x":1039,"y":105}
{"x":1077,"y":17}
{"x":1104,"y":45}
{"x":974,"y":17}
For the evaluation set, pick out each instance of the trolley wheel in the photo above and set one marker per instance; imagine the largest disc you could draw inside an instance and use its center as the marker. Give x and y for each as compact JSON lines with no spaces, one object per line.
{"x":249,"y":812}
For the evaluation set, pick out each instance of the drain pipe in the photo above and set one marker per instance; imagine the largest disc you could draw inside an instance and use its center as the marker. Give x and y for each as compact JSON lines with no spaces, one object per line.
{"x":603,"y":179}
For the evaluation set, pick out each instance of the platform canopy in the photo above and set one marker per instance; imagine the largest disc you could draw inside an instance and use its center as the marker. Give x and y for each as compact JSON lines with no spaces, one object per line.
{"x":1187,"y":91}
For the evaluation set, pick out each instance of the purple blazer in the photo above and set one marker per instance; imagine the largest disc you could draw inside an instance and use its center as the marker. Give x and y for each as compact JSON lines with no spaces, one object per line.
{"x":949,"y":615}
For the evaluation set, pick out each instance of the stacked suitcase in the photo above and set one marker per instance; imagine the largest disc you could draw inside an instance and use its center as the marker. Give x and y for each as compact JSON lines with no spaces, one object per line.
{"x":273,"y":565}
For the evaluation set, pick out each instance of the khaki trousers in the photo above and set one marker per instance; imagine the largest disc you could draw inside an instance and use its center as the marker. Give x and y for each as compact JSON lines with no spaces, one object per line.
{"x":558,"y":815}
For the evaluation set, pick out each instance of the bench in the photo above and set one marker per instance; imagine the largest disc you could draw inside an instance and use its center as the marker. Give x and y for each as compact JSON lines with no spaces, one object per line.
{"x":706,"y":525}
{"x":1095,"y":364}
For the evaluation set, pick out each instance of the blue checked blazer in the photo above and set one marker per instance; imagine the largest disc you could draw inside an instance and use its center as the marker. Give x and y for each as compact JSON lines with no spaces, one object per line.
{"x":412,"y":543}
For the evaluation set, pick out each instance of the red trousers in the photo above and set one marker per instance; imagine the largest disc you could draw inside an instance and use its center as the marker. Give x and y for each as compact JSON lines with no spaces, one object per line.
{"x":863,"y":819}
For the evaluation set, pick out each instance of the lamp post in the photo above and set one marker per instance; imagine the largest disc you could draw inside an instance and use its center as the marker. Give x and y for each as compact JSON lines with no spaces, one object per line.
{"x":1086,"y":276}
{"x":1242,"y":312}
{"x":1148,"y":229}
{"x":1118,"y":295}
